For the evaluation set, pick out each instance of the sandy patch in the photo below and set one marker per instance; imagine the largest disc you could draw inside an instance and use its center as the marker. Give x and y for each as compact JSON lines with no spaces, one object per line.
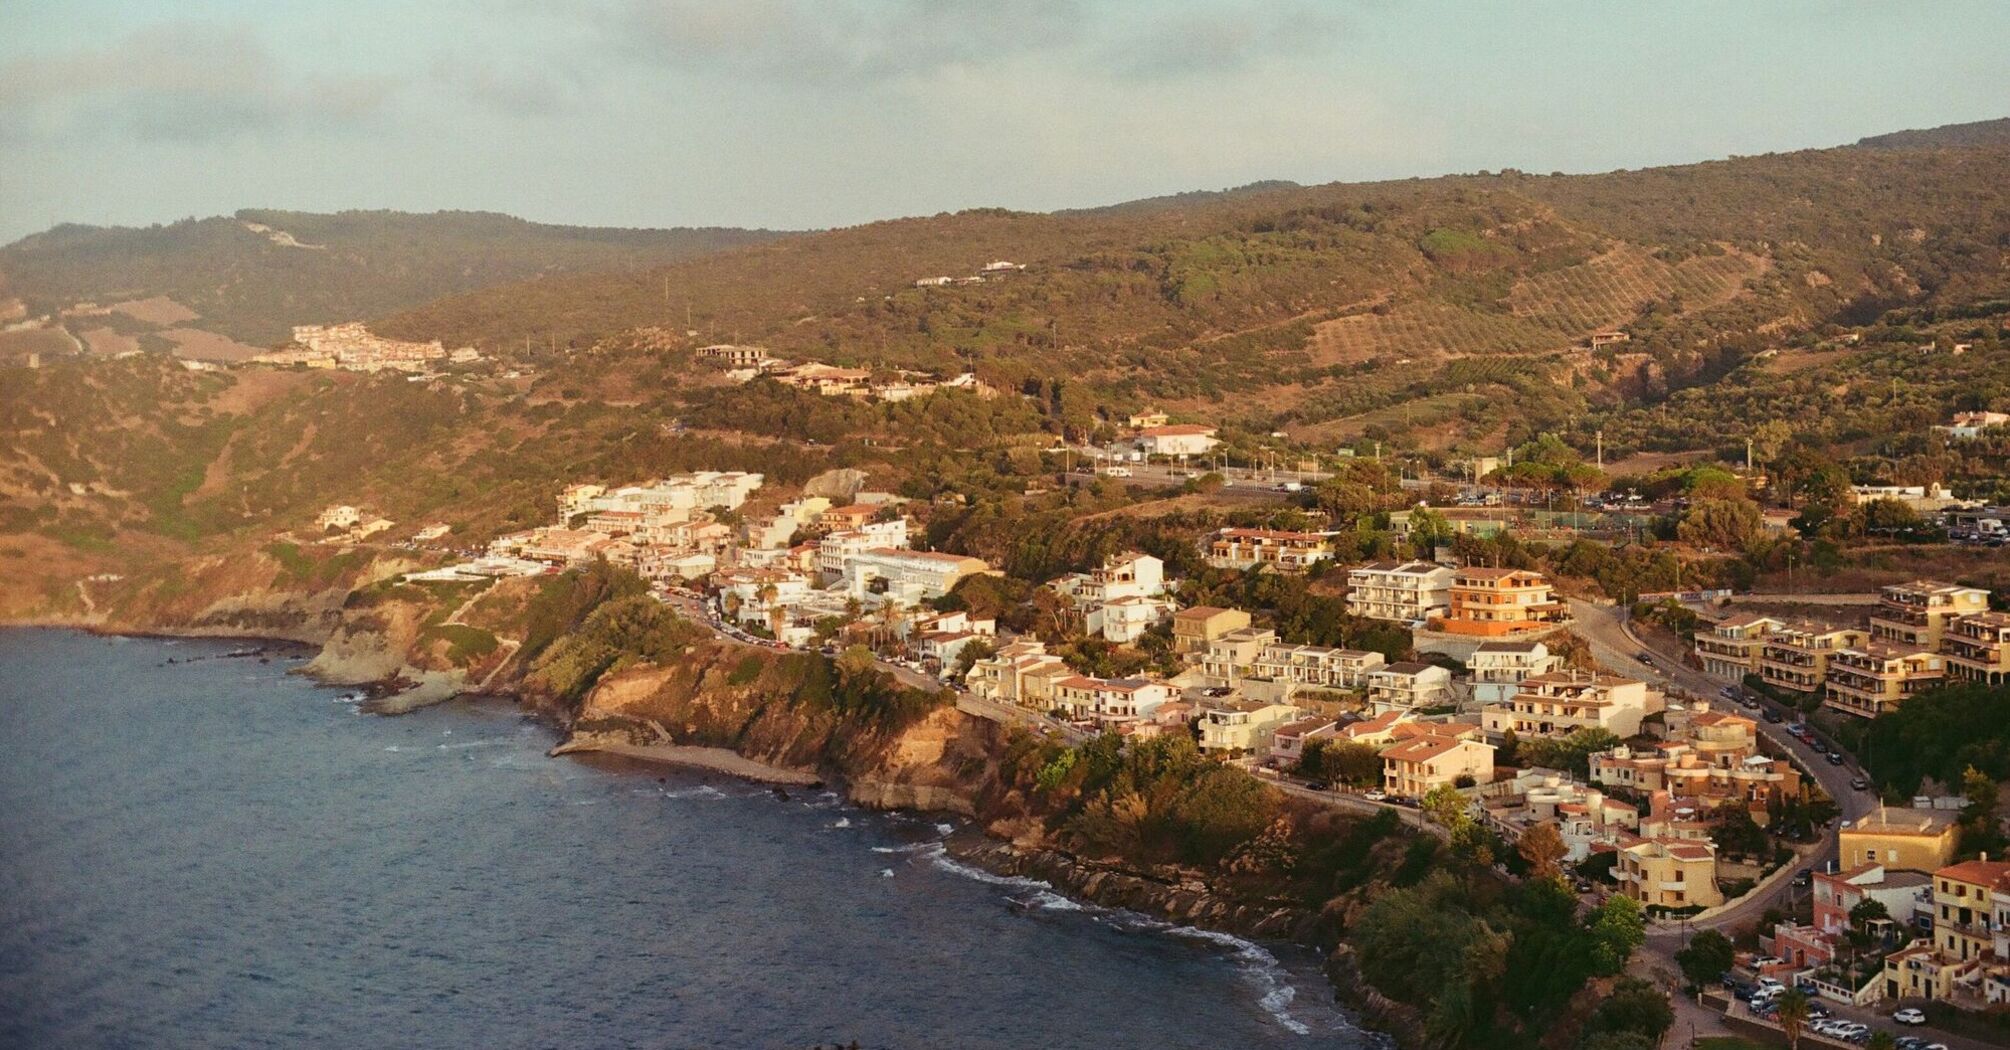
{"x":209,"y":346}
{"x":106,"y":341}
{"x":159,"y":310}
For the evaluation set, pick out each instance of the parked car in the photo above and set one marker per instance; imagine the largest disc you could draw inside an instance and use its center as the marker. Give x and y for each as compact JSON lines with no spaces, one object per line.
{"x":1775,"y":717}
{"x":1910,"y":1015}
{"x":1806,"y":877}
{"x":1376,"y":795}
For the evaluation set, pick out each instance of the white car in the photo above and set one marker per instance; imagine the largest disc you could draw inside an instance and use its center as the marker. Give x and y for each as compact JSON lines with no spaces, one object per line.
{"x":1377,"y":795}
{"x":1909,"y":1016}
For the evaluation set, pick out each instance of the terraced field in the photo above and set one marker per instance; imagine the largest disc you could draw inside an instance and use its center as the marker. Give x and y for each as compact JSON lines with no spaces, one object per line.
{"x":1548,"y":311}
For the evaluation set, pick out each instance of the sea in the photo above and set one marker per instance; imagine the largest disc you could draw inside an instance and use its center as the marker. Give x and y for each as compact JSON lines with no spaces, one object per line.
{"x":200,"y":847}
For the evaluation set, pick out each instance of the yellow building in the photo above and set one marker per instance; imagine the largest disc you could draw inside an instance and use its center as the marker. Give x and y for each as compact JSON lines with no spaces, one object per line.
{"x":1498,"y":602}
{"x":1670,"y":874}
{"x":1731,"y":650}
{"x":1243,"y":726}
{"x":1411,"y":768}
{"x":1917,"y":613}
{"x":1978,"y":648}
{"x":1796,"y":656}
{"x":1872,"y":679}
{"x":1961,"y":955}
{"x":1193,"y":629}
{"x":1902,"y":839}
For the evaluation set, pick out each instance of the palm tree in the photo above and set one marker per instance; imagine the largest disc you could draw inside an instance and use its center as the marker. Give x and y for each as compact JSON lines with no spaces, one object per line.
{"x":1793,"y":1016}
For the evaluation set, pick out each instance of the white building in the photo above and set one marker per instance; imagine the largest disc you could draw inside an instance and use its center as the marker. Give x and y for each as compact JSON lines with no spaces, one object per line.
{"x":1110,"y":700}
{"x":907,"y":577}
{"x":1561,"y":702}
{"x":1406,"y":593}
{"x":1407,"y":685}
{"x":1177,"y":439}
{"x":1125,"y":620}
{"x":1499,"y":667}
{"x":837,"y":549}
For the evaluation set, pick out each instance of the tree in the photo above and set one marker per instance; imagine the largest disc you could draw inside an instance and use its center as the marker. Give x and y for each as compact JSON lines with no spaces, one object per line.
{"x":1793,"y":1016}
{"x":855,"y":660}
{"x":1635,"y":1005}
{"x":1707,"y":956}
{"x":1617,"y":928}
{"x":1615,"y":1041}
{"x":1882,"y":1040}
{"x":1446,"y":805}
{"x":1543,"y":847}
{"x":1979,"y":830}
{"x":1738,"y":833}
{"x":1350,"y":763}
{"x":1727,"y":524}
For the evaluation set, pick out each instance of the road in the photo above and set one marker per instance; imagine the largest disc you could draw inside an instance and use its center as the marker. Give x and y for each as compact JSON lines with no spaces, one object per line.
{"x":1615,"y":647}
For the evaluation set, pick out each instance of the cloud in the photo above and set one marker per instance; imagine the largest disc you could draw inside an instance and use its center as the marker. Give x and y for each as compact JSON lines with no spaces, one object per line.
{"x":180,"y":82}
{"x":871,"y":42}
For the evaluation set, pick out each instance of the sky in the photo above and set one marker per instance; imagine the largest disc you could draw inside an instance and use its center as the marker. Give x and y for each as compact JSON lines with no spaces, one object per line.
{"x":814,"y":113}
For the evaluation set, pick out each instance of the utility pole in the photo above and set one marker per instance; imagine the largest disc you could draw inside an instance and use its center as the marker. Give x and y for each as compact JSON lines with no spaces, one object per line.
{"x":1748,"y":455}
{"x":1601,"y":448}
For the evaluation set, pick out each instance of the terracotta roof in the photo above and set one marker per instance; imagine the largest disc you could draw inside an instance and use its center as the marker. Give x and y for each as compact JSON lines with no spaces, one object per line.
{"x":1976,"y":872}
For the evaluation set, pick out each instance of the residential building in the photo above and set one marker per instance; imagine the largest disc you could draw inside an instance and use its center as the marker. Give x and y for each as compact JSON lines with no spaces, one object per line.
{"x":1917,"y":613}
{"x":1411,"y":768}
{"x":1715,"y":761}
{"x":1409,"y":685}
{"x":1150,"y":417}
{"x":1249,"y":548}
{"x":1497,"y":602}
{"x":1194,"y":628}
{"x":1561,"y":702}
{"x":1873,"y":679}
{"x":849,"y":516}
{"x":1243,"y":726}
{"x":340,"y":516}
{"x":1287,"y":743}
{"x":734,"y":356}
{"x":1977,"y":648}
{"x":1230,"y":658}
{"x":1900,"y":839}
{"x":1796,"y":656}
{"x":1967,"y":426}
{"x":1584,"y":816}
{"x":1315,"y":666}
{"x":1110,"y":700}
{"x":836,"y":549}
{"x":1003,"y":674}
{"x":1961,"y":961}
{"x":1731,"y":649}
{"x":1178,"y":439}
{"x":1673,"y":875}
{"x":1406,"y":593}
{"x":1125,"y":620}
{"x":1376,"y":731}
{"x":1498,"y":667}
{"x":1837,"y":893}
{"x":907,"y":577}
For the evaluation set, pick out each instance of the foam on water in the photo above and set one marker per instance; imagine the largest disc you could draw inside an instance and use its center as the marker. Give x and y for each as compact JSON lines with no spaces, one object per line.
{"x":841,"y":822}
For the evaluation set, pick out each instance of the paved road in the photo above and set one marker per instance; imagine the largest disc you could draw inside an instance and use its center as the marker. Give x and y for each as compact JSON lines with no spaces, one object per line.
{"x":1615,"y":647}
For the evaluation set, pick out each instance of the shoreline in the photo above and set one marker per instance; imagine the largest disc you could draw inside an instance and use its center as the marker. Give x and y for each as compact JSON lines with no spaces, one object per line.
{"x":689,"y":756}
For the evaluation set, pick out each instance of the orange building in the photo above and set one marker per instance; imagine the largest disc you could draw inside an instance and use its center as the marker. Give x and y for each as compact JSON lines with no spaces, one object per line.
{"x":1496,"y":602}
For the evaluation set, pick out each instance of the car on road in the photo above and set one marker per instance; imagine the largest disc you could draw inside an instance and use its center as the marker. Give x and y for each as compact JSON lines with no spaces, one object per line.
{"x":1376,"y":795}
{"x":1859,"y":783}
{"x":1910,"y":1015}
{"x":1775,"y":717}
{"x":1835,"y":758}
{"x":1644,"y":659}
{"x":1805,"y":877}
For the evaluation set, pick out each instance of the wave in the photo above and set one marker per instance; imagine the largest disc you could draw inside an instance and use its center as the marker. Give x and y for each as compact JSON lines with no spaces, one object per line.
{"x":938,"y":855}
{"x":886,"y":873}
{"x":912,"y":847}
{"x":841,"y":822}
{"x":471,"y":743}
{"x":704,"y":791}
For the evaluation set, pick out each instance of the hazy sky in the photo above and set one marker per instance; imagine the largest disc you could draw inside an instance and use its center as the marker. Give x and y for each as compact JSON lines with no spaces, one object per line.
{"x":800,"y":113}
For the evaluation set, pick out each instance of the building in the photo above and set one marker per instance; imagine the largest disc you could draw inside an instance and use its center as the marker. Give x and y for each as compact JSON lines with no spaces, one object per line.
{"x":1732,"y":648}
{"x":1900,"y":839}
{"x":1977,"y":648}
{"x":1147,"y":419}
{"x":1315,"y":666}
{"x":340,"y":516}
{"x":1249,"y":548}
{"x":1584,"y":816}
{"x":1497,"y":602}
{"x":1230,"y":658}
{"x":1125,"y":620}
{"x":732,"y":356}
{"x":1917,"y":613}
{"x":836,"y":550}
{"x":1408,"y":685}
{"x":1795,"y":657}
{"x":1873,"y":679}
{"x":1287,"y":743}
{"x":907,"y":577}
{"x":1411,"y":768}
{"x":849,"y":516}
{"x":1498,"y":667}
{"x":1243,"y":726}
{"x":1837,"y":893}
{"x":1177,"y":439}
{"x":1376,"y":731}
{"x":1672,"y":875}
{"x":1923,"y":499}
{"x":1194,"y":628}
{"x":1961,"y":961}
{"x":1562,"y":702}
{"x":1967,"y":426}
{"x":1714,"y":760}
{"x":1127,"y":575}
{"x":1110,"y":700}
{"x":1410,"y":592}
{"x":1004,"y":674}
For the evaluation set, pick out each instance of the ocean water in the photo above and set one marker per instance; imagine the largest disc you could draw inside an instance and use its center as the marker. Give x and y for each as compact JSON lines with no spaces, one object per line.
{"x":217,"y":853}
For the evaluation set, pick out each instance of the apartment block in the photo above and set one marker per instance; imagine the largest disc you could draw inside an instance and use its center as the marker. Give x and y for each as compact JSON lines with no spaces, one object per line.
{"x":1498,"y":667}
{"x":1873,"y":679}
{"x":1499,"y":602}
{"x":1562,"y":702}
{"x":1664,"y":874}
{"x":1917,"y":613}
{"x":1413,"y":767}
{"x":1977,"y":648}
{"x":1249,"y":548}
{"x":1900,"y":839}
{"x":1406,"y":593}
{"x":1194,"y":628}
{"x":1409,"y":685}
{"x":1795,"y":657}
{"x":1731,"y":650}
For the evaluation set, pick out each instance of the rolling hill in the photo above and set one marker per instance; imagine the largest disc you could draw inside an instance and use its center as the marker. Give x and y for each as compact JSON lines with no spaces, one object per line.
{"x":248,"y":278}
{"x":1310,"y":309}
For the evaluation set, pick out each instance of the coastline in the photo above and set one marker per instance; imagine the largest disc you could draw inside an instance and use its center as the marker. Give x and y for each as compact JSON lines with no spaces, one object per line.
{"x":1085,"y":881}
{"x":690,"y":756}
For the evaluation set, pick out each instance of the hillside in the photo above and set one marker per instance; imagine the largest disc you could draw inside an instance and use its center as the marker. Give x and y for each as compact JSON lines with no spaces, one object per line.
{"x":249,"y":277}
{"x":1319,"y":310}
